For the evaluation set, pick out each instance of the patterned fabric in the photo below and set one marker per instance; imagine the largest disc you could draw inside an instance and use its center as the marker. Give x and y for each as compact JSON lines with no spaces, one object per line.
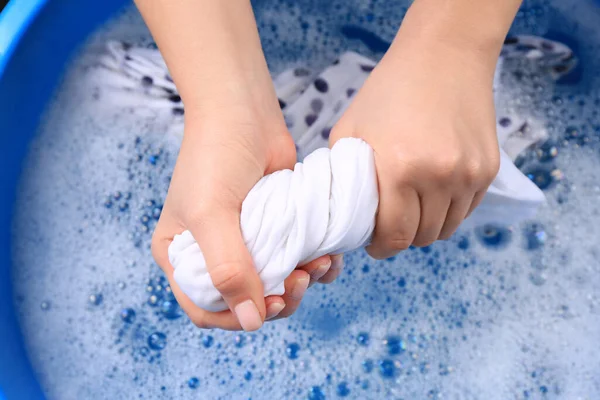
{"x":313,"y":101}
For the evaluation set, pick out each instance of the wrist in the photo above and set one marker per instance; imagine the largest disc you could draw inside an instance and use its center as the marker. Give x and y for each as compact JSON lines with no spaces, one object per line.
{"x":460,"y":26}
{"x":231,"y":94}
{"x":226,"y":116}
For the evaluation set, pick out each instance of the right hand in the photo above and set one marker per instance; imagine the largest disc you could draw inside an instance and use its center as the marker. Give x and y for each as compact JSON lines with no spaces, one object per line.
{"x":222,"y":157}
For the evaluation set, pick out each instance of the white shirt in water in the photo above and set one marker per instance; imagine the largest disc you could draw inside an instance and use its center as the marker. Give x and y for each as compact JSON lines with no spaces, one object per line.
{"x":327,"y":205}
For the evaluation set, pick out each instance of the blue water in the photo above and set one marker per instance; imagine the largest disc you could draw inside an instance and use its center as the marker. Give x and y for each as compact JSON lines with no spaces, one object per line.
{"x":494,"y":313}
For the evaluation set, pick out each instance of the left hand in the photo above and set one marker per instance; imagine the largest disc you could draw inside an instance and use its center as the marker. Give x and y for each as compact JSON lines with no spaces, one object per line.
{"x":428,"y":112}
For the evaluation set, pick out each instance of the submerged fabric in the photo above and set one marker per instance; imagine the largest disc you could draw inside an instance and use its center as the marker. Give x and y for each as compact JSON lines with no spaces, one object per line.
{"x":327,"y":204}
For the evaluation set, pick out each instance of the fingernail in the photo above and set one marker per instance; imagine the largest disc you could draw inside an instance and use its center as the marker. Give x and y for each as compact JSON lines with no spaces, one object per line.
{"x":274,"y":309}
{"x":247,"y":313}
{"x":300,"y":288}
{"x":337,"y":262}
{"x":321,"y":270}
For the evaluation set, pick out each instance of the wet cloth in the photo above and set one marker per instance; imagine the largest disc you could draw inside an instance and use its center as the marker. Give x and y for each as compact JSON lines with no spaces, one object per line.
{"x":328,"y":203}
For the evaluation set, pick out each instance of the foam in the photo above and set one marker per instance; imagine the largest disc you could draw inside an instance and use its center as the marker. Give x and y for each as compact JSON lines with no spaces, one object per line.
{"x":477,"y":321}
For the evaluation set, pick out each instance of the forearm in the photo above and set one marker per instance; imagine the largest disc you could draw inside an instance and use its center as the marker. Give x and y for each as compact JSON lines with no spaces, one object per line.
{"x":476,"y":26}
{"x":213,"y":52}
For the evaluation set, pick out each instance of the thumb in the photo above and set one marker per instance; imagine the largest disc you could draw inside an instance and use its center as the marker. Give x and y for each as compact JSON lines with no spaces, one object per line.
{"x":230,"y":265}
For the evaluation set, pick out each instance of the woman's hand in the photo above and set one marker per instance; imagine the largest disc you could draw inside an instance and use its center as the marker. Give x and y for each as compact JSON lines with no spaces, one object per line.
{"x":234,"y":135}
{"x":427,"y":110}
{"x":221,"y":158}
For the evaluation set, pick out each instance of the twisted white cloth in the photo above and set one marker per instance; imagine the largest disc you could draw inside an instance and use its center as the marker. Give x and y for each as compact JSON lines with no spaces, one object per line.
{"x":327,"y":205}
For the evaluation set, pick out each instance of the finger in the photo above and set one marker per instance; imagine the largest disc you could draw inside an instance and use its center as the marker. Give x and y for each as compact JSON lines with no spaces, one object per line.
{"x":397,"y":221}
{"x":457,"y":213}
{"x":295,"y":288}
{"x":317,"y":268}
{"x":274,"y":304}
{"x":476,"y":201}
{"x":203,"y":319}
{"x":337,"y":266}
{"x":434,"y":209}
{"x":230,"y":265}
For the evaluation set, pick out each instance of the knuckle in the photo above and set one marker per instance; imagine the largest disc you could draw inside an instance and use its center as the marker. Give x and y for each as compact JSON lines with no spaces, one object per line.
{"x":426,"y":235}
{"x":448,"y":233}
{"x":480,"y":174}
{"x":397,"y":244}
{"x":199,"y":322}
{"x":474,"y":173}
{"x":403,"y":177}
{"x":404,"y":170}
{"x":329,"y":278}
{"x":444,"y":168}
{"x":424,"y":241}
{"x":228,"y":278}
{"x":493,"y":165}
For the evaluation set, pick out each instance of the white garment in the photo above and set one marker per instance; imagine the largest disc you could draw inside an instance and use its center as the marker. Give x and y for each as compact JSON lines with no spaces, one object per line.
{"x":327,"y":205}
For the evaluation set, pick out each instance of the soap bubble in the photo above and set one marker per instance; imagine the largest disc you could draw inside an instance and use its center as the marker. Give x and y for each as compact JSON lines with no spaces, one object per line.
{"x":157,"y":341}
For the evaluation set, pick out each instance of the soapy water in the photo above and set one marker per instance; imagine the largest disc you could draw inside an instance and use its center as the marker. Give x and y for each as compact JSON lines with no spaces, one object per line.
{"x":494,"y":313}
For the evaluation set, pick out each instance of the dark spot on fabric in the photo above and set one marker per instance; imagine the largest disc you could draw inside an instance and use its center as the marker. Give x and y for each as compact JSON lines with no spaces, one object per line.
{"x":561,"y":69}
{"x":548,"y":46}
{"x":310,"y":119}
{"x":175,"y":98}
{"x":518,"y":75}
{"x":336,"y":62}
{"x":301,"y":72}
{"x":511,"y":40}
{"x":126,"y":45}
{"x":178,"y":111}
{"x":367,"y":68}
{"x":289,"y":121}
{"x":147,"y":81}
{"x":321,"y":85}
{"x":504,"y":122}
{"x":281,"y":104}
{"x":316,"y":105}
{"x":128,"y":58}
{"x":525,"y":47}
{"x":524,"y":128}
{"x":168,"y":78}
{"x":325,"y":133}
{"x":350,"y":92}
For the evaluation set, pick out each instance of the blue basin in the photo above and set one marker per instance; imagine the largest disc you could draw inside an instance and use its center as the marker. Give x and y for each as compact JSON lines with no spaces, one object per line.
{"x":37,"y":37}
